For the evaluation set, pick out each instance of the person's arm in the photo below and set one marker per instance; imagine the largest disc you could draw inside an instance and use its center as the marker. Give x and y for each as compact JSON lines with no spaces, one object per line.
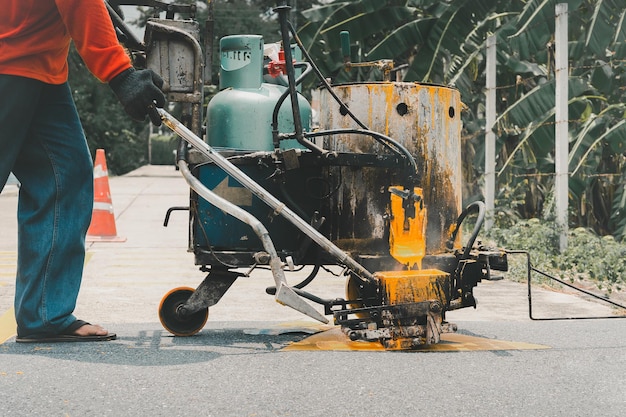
{"x":92,"y":31}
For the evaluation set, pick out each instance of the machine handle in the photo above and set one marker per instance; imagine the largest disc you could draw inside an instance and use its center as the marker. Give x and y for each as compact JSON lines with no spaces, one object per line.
{"x":345,"y":45}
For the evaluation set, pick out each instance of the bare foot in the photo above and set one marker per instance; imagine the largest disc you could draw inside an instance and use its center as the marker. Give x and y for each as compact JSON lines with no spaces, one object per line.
{"x":91,"y":330}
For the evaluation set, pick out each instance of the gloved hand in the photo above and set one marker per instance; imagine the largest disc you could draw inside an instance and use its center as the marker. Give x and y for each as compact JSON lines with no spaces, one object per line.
{"x":139,"y":91}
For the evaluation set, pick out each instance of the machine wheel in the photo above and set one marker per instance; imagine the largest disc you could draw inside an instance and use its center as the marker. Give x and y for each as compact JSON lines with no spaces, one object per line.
{"x":172,"y":319}
{"x":355,"y":290}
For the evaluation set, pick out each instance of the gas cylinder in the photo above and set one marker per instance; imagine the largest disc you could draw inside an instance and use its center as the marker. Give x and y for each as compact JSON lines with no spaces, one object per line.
{"x":239,"y":121}
{"x":239,"y":117}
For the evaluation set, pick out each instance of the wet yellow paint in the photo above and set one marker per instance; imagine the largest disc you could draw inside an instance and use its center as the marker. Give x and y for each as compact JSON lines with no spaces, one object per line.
{"x":414,"y":286}
{"x":407,"y":243}
{"x":8,"y":326}
{"x":333,"y":339}
{"x":336,"y":340}
{"x":8,"y":265}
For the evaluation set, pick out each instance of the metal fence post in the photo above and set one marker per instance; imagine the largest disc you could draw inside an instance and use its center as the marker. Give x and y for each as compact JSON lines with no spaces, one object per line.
{"x":490,"y":136}
{"x":561,"y":185}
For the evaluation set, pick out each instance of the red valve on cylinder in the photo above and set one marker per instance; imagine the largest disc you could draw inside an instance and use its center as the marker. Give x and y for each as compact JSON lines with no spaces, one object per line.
{"x":276,"y":68}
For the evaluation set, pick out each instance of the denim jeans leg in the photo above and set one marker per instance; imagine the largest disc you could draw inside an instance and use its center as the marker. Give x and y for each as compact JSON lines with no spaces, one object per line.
{"x":18,"y":96}
{"x":55,"y":170}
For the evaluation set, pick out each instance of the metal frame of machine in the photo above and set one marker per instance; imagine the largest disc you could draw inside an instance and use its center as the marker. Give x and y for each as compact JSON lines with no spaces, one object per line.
{"x":403,"y":303}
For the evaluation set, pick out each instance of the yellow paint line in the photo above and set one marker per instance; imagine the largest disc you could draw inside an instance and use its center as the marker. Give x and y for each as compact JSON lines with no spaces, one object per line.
{"x":8,"y":265}
{"x":8,"y":328}
{"x":336,"y":340}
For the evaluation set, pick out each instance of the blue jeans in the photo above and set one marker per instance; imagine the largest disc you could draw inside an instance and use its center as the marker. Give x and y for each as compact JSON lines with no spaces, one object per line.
{"x":43,"y":143}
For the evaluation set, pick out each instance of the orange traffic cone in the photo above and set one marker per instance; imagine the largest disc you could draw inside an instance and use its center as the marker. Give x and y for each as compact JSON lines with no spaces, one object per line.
{"x":102,"y":227}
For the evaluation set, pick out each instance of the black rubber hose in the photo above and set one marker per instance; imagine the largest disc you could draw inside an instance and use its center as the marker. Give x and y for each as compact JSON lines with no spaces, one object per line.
{"x":321,"y":77}
{"x":475,"y":206}
{"x":399,"y":149}
{"x":386,"y":141}
{"x":316,"y":268}
{"x":308,"y":279}
{"x":279,"y":103}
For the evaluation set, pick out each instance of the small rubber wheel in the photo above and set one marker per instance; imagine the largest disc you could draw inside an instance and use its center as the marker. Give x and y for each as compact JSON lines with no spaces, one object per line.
{"x":176,"y":323}
{"x":355,"y":289}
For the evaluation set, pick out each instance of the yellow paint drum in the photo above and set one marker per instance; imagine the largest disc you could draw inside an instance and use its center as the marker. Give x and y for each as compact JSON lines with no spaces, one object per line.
{"x":426,"y":120}
{"x":400,"y":287}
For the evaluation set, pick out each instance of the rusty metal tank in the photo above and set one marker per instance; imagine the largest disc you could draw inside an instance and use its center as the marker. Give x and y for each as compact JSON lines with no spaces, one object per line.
{"x":426,"y":120}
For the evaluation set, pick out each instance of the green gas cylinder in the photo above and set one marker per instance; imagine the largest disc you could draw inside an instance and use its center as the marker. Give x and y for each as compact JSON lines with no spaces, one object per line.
{"x":239,"y":117}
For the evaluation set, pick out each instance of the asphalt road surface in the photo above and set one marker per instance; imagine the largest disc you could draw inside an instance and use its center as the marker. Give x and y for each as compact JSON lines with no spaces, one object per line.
{"x":244,"y":363}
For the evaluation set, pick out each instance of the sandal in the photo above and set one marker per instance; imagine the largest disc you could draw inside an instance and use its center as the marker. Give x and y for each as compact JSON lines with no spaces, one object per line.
{"x":68,"y":335}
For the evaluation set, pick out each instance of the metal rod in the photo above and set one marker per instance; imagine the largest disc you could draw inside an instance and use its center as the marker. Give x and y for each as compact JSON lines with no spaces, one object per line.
{"x":119,"y":23}
{"x":209,"y":30}
{"x":283,"y":15}
{"x":530,"y":269}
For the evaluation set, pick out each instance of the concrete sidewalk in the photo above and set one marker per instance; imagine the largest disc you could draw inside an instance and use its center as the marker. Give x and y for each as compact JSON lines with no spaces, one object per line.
{"x":124,"y":282}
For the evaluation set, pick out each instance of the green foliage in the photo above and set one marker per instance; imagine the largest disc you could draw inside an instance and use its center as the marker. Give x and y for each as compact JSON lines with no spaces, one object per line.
{"x":596,"y":108}
{"x":444,"y":43}
{"x":589,"y":258}
{"x":162,"y":149}
{"x":540,"y":238}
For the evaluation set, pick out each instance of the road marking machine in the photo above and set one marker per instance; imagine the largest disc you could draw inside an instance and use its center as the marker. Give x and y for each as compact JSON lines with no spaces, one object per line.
{"x":368,"y":178}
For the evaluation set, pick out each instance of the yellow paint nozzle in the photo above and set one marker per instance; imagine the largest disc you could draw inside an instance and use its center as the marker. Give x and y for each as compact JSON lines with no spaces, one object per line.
{"x":407,"y":243}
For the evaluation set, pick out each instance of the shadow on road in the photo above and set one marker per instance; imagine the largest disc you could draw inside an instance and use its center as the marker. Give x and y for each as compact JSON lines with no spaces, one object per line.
{"x":159,"y":348}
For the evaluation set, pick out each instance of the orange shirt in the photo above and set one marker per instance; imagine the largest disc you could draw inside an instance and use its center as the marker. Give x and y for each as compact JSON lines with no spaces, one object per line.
{"x":35,"y":37}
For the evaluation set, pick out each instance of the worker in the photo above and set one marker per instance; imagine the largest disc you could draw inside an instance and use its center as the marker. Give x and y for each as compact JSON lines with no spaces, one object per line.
{"x":43,"y":144}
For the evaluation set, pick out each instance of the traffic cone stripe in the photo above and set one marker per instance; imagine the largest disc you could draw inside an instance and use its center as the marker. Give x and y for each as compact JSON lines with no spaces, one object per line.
{"x":99,"y":172}
{"x":103,"y":207}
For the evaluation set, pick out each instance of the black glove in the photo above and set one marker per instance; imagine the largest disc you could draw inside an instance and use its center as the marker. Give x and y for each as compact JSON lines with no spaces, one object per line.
{"x":139,"y":91}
